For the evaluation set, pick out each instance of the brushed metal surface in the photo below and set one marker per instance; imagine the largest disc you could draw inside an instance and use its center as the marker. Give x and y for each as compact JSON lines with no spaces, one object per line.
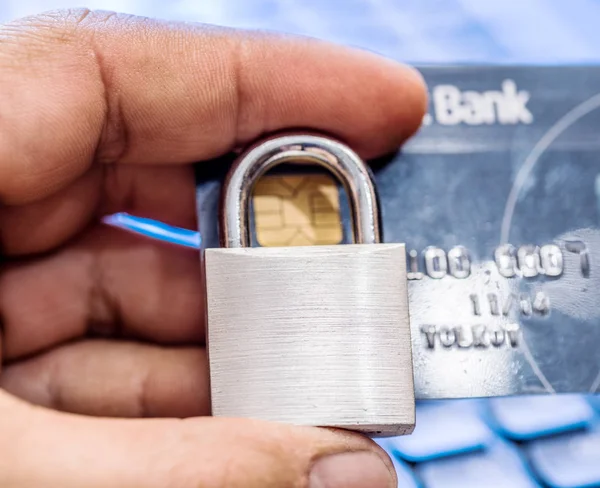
{"x":312,"y":336}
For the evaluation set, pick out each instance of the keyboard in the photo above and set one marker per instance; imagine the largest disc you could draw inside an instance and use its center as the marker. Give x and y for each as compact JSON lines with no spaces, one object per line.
{"x":508,"y":442}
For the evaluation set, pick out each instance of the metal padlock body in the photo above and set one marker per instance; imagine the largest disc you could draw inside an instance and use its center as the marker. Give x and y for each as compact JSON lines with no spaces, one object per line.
{"x":313,"y":335}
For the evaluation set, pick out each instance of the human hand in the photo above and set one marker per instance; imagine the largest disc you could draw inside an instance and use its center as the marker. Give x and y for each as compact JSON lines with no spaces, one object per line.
{"x":103,"y":113}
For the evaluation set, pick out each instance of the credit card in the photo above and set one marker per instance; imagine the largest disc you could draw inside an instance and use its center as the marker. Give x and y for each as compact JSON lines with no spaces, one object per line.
{"x":498,"y":201}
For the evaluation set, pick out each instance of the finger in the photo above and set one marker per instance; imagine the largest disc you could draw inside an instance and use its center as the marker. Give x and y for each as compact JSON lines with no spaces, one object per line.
{"x":108,"y":283}
{"x":114,"y":379}
{"x":124,"y":89}
{"x":43,"y":448}
{"x":164,"y":193}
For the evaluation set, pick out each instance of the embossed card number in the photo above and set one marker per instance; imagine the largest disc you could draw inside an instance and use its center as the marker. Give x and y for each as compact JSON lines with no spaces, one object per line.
{"x":526,"y":261}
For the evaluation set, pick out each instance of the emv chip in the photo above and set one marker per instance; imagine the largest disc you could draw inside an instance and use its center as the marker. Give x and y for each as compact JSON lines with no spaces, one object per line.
{"x":297,"y":210}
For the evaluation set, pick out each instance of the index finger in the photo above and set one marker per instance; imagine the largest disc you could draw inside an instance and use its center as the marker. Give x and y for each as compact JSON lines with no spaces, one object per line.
{"x":78,"y":86}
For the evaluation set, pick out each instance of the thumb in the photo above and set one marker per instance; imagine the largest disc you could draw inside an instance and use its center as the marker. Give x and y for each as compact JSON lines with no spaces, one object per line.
{"x":42,"y":448}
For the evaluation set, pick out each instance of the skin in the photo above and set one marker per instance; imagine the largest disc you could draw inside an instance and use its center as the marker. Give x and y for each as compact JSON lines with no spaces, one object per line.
{"x":104,"y":371}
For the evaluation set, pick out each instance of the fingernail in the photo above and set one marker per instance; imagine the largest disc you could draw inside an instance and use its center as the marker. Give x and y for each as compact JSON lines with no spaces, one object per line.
{"x":352,"y":470}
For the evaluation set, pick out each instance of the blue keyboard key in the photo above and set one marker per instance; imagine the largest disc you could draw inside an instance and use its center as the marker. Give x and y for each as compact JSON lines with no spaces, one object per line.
{"x":569,"y":460}
{"x":406,"y":478}
{"x":594,"y":401}
{"x":443,"y":429}
{"x":498,"y":466}
{"x":528,"y":417}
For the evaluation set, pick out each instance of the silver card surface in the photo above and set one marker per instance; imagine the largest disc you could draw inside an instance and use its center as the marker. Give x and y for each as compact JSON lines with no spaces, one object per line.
{"x":497,"y":199}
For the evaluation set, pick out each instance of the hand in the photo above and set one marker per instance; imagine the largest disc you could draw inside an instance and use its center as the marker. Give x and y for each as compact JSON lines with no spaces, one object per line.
{"x":102,"y":113}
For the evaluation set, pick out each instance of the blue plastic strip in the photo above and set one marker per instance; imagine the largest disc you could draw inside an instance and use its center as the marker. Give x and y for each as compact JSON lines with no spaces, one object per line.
{"x":155,"y":230}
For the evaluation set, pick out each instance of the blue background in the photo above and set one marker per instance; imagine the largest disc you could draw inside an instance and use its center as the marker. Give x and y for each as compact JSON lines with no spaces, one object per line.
{"x":419,"y":31}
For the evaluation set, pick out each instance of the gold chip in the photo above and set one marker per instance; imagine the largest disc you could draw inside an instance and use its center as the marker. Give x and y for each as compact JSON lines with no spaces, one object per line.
{"x":297,"y":210}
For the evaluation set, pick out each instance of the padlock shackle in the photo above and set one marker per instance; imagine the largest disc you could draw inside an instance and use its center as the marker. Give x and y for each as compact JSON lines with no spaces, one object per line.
{"x":345,"y":165}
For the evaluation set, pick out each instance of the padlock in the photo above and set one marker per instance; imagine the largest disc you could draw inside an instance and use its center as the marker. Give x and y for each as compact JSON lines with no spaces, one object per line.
{"x":313,"y":335}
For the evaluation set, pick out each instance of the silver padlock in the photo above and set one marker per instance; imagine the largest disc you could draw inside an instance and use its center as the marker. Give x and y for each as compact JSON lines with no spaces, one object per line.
{"x":315,"y":335}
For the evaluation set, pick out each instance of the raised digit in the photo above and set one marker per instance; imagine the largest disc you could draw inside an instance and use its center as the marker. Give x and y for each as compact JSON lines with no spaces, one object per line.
{"x":579,"y":247}
{"x":459,"y":262}
{"x":436,"y":263}
{"x":506,"y":260}
{"x":529,"y":261}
